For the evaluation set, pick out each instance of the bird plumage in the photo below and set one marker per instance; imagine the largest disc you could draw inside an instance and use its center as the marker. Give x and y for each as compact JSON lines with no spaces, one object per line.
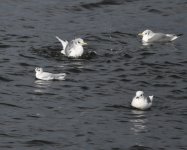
{"x":73,"y":48}
{"x":149,"y":36}
{"x":141,"y":102}
{"x":40,"y":74}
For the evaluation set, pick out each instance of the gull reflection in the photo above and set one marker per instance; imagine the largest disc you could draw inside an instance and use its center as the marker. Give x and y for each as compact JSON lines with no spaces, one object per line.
{"x":138,"y":121}
{"x":41,"y":86}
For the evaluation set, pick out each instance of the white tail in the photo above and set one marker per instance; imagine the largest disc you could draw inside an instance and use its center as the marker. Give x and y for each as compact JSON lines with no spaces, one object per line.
{"x":151,"y":98}
{"x":172,"y":36}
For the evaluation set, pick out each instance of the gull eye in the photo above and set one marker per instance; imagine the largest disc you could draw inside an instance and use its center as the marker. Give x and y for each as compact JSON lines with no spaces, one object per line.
{"x":141,"y":95}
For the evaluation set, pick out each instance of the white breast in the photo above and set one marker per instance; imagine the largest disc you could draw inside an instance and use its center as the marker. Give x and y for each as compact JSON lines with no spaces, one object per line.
{"x":141,"y":103}
{"x":76,"y":52}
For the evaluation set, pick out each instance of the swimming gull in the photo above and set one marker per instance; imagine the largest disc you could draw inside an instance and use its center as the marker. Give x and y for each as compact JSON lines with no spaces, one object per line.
{"x":149,"y":36}
{"x":141,"y":102}
{"x":40,"y":74}
{"x":73,"y":48}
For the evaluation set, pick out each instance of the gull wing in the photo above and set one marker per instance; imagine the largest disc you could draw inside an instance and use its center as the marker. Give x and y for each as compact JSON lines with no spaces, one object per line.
{"x":64,"y":43}
{"x":69,"y":47}
{"x":46,"y":76}
{"x":161,"y":37}
{"x":60,"y":76}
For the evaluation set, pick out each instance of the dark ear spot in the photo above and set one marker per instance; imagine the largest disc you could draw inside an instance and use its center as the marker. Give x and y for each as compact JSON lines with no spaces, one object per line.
{"x":137,"y":97}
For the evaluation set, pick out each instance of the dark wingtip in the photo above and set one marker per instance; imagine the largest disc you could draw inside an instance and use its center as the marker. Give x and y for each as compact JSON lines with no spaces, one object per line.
{"x":180,"y":34}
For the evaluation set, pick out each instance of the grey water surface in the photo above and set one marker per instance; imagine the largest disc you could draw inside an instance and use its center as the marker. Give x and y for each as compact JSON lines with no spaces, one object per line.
{"x":91,"y":110}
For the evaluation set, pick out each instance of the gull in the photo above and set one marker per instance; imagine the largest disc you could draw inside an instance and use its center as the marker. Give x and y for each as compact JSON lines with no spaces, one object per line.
{"x":73,"y":48}
{"x":141,"y":102}
{"x":40,"y":74}
{"x":149,"y":36}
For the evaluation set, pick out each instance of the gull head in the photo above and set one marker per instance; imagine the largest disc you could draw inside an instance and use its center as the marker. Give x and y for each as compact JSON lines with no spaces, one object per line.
{"x":146,"y":33}
{"x":139,"y":94}
{"x":79,"y":41}
{"x":37,"y":69}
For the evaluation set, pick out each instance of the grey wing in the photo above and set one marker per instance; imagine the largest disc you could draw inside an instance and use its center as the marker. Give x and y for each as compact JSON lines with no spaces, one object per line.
{"x":159,"y":37}
{"x":64,"y":43}
{"x":69,"y":47}
{"x":60,"y":76}
{"x":47,"y":76}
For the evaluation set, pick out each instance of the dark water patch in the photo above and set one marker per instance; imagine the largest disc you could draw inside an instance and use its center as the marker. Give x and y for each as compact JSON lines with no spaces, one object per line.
{"x":119,"y":107}
{"x":5,"y":79}
{"x":106,"y":38}
{"x":125,"y":55}
{"x":143,"y":83}
{"x":10,"y":105}
{"x":177,"y":91}
{"x":116,"y":148}
{"x":183,"y":62}
{"x":7,"y":146}
{"x":89,"y":69}
{"x":16,"y":118}
{"x":4,"y":46}
{"x":34,"y":116}
{"x":41,"y":93}
{"x":16,"y":73}
{"x":102,"y":3}
{"x":74,"y":70}
{"x":118,"y":70}
{"x":22,"y":85}
{"x":125,"y":80}
{"x":74,"y":8}
{"x":123,"y":34}
{"x":172,"y":63}
{"x":159,"y":77}
{"x":24,"y":37}
{"x":86,"y":108}
{"x":85,"y":88}
{"x":12,"y":35}
{"x":49,"y":52}
{"x":2,"y":30}
{"x":154,"y":65}
{"x":28,"y":27}
{"x":26,"y":56}
{"x":5,"y":135}
{"x":175,"y":76}
{"x":4,"y":60}
{"x":139,"y":147}
{"x":162,"y":85}
{"x":102,"y":93}
{"x":147,"y":53}
{"x":24,"y":64}
{"x":175,"y":138}
{"x":39,"y":143}
{"x":89,"y":55}
{"x":156,"y":11}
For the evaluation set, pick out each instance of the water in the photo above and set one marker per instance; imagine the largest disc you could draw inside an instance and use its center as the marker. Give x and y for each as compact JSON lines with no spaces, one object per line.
{"x":91,"y":109}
